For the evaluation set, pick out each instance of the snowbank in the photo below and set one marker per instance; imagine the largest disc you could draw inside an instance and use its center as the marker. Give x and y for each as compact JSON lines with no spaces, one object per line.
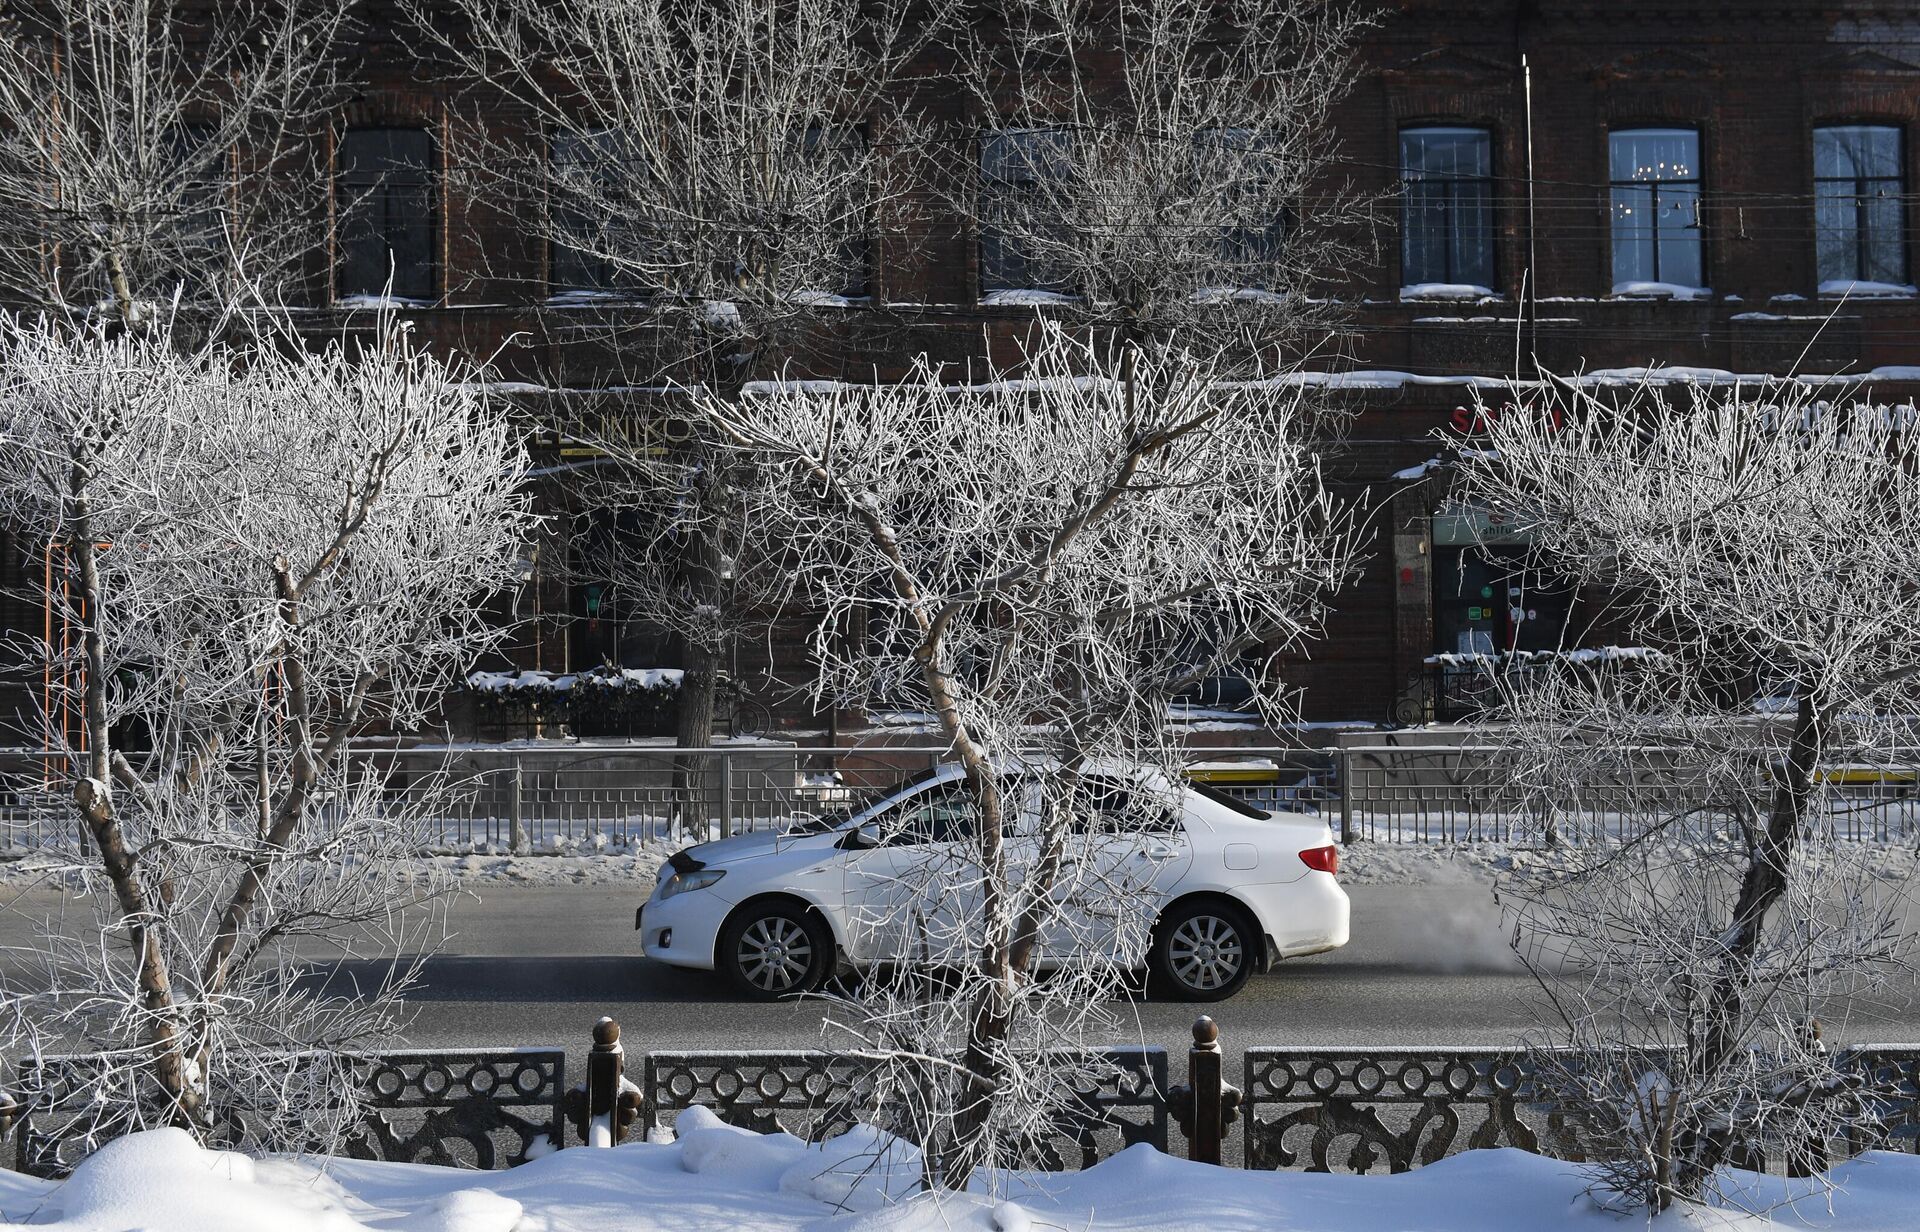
{"x":720,"y":1179}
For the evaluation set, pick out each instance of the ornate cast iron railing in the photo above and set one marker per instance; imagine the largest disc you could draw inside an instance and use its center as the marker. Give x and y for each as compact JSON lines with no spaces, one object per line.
{"x":1324,"y":1109}
{"x":476,"y":1109}
{"x":814,"y":1095}
{"x":1352,"y":1110}
{"x":1359,"y":1109}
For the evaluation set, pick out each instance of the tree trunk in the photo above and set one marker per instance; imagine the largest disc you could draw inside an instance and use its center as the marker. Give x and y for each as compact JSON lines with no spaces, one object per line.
{"x":94,"y":797}
{"x":705,"y":658}
{"x":991,"y":1019}
{"x":1761,"y":887}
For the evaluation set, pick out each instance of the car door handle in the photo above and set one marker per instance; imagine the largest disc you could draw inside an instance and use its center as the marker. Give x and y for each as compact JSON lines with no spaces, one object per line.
{"x":1156,"y":853}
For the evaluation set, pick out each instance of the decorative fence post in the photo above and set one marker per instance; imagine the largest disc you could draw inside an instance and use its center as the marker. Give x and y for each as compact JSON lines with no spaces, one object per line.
{"x":11,"y":1110}
{"x":1343,"y":762}
{"x":1204,"y":1105}
{"x":516,"y":809}
{"x":602,"y":1110}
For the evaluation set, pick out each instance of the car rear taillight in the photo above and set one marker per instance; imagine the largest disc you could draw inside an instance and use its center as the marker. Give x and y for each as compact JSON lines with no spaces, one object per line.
{"x":1322,"y":859}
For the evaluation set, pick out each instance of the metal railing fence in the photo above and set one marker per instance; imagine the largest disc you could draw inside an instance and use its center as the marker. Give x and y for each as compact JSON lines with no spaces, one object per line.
{"x":582,"y":797}
{"x":1318,"y":1109}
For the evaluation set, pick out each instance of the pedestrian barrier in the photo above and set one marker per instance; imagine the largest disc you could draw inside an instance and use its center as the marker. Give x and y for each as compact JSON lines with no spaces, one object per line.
{"x":1353,"y":1110}
{"x":587,"y":798}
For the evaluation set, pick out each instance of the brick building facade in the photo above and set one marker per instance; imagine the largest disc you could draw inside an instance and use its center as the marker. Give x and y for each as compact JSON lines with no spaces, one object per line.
{"x":1606,"y":184}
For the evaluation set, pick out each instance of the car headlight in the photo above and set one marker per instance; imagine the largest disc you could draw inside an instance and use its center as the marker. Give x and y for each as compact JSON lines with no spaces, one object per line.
{"x":698,"y":879}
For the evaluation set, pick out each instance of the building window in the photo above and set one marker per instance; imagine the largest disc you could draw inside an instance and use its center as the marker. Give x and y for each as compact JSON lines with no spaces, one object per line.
{"x":1655,"y":174}
{"x":586,"y":174}
{"x":1022,"y":236}
{"x":1240,"y":170}
{"x":383,"y":198}
{"x":1859,"y":215}
{"x":1447,"y":230}
{"x":833,"y":171}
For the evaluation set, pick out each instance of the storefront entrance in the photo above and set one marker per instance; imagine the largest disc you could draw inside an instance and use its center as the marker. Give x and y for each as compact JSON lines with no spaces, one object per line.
{"x":1488,"y":599}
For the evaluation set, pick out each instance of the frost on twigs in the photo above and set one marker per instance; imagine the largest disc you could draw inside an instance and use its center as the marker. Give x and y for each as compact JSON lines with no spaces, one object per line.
{"x":261,"y":552}
{"x":1765,"y":545}
{"x":173,"y":163}
{"x":1041,"y":563}
{"x":721,"y":164}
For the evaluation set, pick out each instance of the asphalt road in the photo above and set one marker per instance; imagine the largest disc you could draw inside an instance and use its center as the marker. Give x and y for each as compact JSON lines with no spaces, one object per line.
{"x":538,"y":965}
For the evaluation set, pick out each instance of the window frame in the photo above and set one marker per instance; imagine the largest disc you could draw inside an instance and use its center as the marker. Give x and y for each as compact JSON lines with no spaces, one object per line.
{"x":1453,"y":207}
{"x":1863,"y":233}
{"x":1696,"y":182}
{"x":352,"y":193}
{"x":988,"y":184}
{"x":607,"y":278}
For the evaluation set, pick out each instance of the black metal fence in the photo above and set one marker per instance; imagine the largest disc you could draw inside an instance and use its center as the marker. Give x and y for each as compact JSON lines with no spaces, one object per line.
{"x":572,"y":798}
{"x":479,"y":1109}
{"x":1358,"y":1110}
{"x":814,"y":1095}
{"x":1351,"y":1110}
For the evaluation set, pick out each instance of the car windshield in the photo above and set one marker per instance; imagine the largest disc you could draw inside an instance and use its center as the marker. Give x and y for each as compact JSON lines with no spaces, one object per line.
{"x":835,"y":815}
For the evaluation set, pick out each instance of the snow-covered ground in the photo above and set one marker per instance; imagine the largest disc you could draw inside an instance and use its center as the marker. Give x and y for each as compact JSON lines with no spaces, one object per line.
{"x":720,"y":1179}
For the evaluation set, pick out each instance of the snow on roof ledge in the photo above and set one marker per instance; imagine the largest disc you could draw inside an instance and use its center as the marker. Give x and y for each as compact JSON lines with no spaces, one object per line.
{"x":1839,"y":288}
{"x":1025,"y":297}
{"x":1660,"y":290}
{"x":1446,"y":291}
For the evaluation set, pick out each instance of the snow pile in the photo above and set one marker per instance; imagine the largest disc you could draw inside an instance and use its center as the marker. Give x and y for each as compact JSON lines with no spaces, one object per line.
{"x":1585,"y":657}
{"x":718,"y":1179}
{"x":1025,"y":297}
{"x":1446,"y":291}
{"x":1864,"y":289}
{"x":548,"y":682}
{"x":829,"y":299}
{"x":1215,"y":296}
{"x":379,"y":303}
{"x":1660,"y":290}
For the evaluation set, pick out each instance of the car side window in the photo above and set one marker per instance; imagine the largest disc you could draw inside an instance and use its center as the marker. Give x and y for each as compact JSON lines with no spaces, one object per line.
{"x":1105,"y":806}
{"x":944,"y":814}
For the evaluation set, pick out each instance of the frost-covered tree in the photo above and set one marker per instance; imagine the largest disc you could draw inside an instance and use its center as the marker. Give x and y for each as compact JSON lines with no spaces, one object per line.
{"x":1759,"y":536}
{"x":1041,"y":561}
{"x":153,"y":150}
{"x":1161,"y":166}
{"x":729,"y":165}
{"x":260,"y":552}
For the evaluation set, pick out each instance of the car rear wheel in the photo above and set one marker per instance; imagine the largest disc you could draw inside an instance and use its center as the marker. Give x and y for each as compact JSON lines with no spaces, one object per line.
{"x":1203,"y":951}
{"x":777,"y":950}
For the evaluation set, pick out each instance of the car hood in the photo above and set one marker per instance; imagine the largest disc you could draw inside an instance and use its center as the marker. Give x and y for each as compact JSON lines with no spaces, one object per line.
{"x":729,"y":852}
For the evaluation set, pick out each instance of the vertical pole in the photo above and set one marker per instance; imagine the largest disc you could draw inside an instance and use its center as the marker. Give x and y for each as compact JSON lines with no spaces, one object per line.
{"x":1203,"y":1079}
{"x":1343,"y":766}
{"x":516,"y":809}
{"x":726,"y":795}
{"x":604,"y":1079}
{"x":1532,"y":279}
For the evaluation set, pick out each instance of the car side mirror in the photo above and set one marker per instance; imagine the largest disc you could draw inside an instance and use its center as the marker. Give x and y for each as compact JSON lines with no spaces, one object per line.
{"x":862,"y":837}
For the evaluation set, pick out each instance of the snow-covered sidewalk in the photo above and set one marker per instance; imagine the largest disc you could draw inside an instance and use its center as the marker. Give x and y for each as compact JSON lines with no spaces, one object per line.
{"x":720,"y":1179}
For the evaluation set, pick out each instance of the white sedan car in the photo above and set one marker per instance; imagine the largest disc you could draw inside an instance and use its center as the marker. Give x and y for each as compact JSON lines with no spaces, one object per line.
{"x":1232,"y":889}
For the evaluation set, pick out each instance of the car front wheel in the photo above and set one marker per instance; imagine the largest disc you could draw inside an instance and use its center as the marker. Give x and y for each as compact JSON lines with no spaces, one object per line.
{"x":1203,"y":951}
{"x":774,"y":951}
